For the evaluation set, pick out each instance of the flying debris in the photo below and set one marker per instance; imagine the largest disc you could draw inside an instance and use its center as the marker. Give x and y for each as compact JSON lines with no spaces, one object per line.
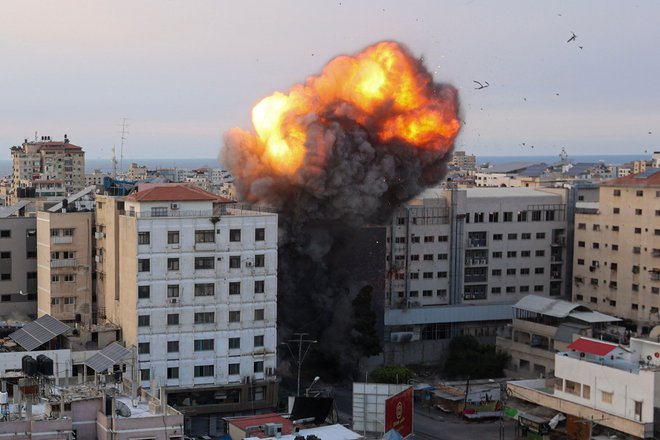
{"x":581,"y":47}
{"x":336,"y":153}
{"x":573,"y":37}
{"x":480,"y":86}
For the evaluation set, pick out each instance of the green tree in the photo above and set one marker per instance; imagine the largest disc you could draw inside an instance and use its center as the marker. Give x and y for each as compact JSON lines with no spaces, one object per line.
{"x":391,"y":374}
{"x":468,"y":358}
{"x":363,"y":335}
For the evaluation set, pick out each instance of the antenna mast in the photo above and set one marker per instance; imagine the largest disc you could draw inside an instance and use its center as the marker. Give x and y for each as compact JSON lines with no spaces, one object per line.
{"x":124,"y":132}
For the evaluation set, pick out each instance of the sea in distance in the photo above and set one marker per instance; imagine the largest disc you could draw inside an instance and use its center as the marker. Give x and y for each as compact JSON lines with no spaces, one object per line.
{"x":106,"y":165}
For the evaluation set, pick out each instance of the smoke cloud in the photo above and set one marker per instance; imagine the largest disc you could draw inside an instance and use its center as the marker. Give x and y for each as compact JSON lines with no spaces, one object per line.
{"x":333,"y":164}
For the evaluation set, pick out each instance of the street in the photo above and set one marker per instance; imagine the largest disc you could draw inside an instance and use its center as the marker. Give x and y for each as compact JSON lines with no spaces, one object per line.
{"x":440,"y":426}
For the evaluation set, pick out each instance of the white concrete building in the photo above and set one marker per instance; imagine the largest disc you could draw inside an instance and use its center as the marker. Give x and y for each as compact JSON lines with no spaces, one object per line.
{"x":458,"y":260}
{"x":193,"y":284}
{"x":602,"y":383}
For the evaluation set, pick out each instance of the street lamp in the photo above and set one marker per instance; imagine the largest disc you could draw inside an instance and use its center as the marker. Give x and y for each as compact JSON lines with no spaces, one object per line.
{"x":316,"y":379}
{"x":301,"y":355}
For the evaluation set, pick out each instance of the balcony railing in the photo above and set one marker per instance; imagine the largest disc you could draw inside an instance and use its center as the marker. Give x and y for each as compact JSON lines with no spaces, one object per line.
{"x":69,"y":262}
{"x":63,"y":240}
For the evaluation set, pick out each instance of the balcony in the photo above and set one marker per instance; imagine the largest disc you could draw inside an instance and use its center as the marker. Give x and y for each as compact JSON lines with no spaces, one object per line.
{"x":476,"y":261}
{"x":69,"y":262}
{"x":475,"y":278}
{"x":67,"y":239}
{"x":476,"y":243}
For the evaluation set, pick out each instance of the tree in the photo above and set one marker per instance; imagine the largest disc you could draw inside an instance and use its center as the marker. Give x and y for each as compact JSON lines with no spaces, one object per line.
{"x":468,"y":358}
{"x":391,"y":374}
{"x":364,"y":336}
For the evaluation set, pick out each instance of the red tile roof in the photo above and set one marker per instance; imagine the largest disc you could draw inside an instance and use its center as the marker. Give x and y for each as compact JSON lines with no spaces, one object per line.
{"x":592,"y":347}
{"x":173,"y":192}
{"x":635,"y":180}
{"x":251,"y":421}
{"x":58,"y":145}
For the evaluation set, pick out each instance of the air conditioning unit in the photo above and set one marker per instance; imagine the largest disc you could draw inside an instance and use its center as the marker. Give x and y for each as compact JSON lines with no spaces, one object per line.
{"x":173,"y":300}
{"x":99,"y":235}
{"x":273,"y":429}
{"x":248,"y":263}
{"x":98,"y":258}
{"x":174,"y":206}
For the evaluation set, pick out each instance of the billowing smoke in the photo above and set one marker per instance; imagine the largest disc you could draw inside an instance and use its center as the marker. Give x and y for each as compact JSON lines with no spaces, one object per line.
{"x":335,"y":154}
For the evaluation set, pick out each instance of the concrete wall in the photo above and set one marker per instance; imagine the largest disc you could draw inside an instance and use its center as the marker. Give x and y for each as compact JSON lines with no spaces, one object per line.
{"x":21,"y":266}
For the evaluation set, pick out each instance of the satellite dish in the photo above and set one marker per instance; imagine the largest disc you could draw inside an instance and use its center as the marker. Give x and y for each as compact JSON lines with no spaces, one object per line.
{"x":122,"y":409}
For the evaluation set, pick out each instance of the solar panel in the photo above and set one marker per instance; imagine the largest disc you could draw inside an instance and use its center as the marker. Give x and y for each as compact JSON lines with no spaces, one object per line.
{"x":106,"y":358}
{"x":39,"y":332}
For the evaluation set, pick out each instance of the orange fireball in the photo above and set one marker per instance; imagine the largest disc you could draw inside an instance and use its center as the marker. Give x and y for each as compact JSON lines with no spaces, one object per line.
{"x":382,"y":87}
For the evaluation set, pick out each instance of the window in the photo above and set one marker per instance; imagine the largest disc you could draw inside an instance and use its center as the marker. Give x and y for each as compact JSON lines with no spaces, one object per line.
{"x":478,"y":217}
{"x":205,"y":289}
{"x":508,"y":217}
{"x":145,"y":374}
{"x":203,"y":370}
{"x":159,"y":212}
{"x":414,"y":276}
{"x":401,"y":221}
{"x":511,"y":271}
{"x":204,"y":317}
{"x":428,"y":257}
{"x":202,"y":263}
{"x":612,"y":303}
{"x":511,"y":254}
{"x":172,"y":264}
{"x":614,"y":266}
{"x":259,"y":314}
{"x":172,"y":372}
{"x":442,"y":274}
{"x":443,"y":256}
{"x":259,"y":260}
{"x":414,"y":239}
{"x":205,"y":236}
{"x":639,"y":193}
{"x":428,"y":275}
{"x":234,"y":235}
{"x":536,"y":216}
{"x":638,"y":410}
{"x":526,"y":236}
{"x":203,"y":344}
{"x":69,"y":278}
{"x":143,"y":348}
{"x":540,"y":253}
{"x":258,"y":367}
{"x":572,"y":387}
{"x":234,"y":369}
{"x":443,"y":238}
{"x":413,"y":294}
{"x":497,"y":236}
{"x":637,"y":250}
{"x":172,"y":237}
{"x":495,"y":290}
{"x":143,"y":237}
{"x":143,"y":320}
{"x":582,"y":226}
{"x":427,"y":292}
{"x":429,"y":239}
{"x":615,"y":247}
{"x":172,"y":319}
{"x":616,"y":210}
{"x":54,"y":278}
{"x":522,"y":216}
{"x":172,"y":290}
{"x":540,"y":235}
{"x":606,"y":397}
{"x":144,"y":265}
{"x":235,"y":262}
{"x":496,"y":272}
{"x":54,"y":232}
{"x":655,"y":290}
{"x":53,"y":301}
{"x":616,"y":193}
{"x":144,"y":292}
{"x":259,"y":234}
{"x":400,"y":240}
{"x":525,"y":253}
{"x":259,"y":286}
{"x":615,"y":228}
{"x":511,"y":289}
{"x":172,"y":346}
{"x":524,"y":271}
{"x":69,"y":299}
{"x":635,"y":287}
{"x":595,"y":245}
{"x":235,"y":288}
{"x":259,"y":341}
{"x":538,"y":288}
{"x":235,"y":316}
{"x":441,"y":292}
{"x":638,"y":230}
{"x":638,"y":211}
{"x":524,"y":289}
{"x":493,"y":217}
{"x":5,"y":233}
{"x":234,"y":343}
{"x":512,"y":237}
{"x":497,"y":254}
{"x":635,"y":269}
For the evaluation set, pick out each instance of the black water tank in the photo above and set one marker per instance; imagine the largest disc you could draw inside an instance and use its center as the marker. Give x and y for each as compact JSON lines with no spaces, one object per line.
{"x":29,"y":365}
{"x":45,"y":365}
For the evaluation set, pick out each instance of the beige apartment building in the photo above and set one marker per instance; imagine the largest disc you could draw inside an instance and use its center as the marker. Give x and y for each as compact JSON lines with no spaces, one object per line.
{"x":65,"y":265}
{"x":45,"y":167}
{"x":617,"y":249}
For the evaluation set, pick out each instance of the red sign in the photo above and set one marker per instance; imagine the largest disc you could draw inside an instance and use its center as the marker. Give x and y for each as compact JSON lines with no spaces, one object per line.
{"x":399,"y":412}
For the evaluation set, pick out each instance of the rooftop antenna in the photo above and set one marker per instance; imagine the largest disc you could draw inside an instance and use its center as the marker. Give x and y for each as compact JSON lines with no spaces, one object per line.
{"x":124,"y":132}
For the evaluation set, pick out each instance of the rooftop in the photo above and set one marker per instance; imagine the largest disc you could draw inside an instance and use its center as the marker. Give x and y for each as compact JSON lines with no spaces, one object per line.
{"x":558,"y":308}
{"x":173,"y":192}
{"x":485,"y":192}
{"x":649,"y":178}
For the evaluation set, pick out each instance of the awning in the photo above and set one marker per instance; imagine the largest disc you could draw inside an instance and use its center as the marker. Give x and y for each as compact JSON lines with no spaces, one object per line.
{"x":592,"y":347}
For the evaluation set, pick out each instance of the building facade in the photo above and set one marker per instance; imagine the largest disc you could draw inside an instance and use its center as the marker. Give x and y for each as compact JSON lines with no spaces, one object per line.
{"x":617,"y":250}
{"x":18,"y":267}
{"x":65,"y":265}
{"x":458,"y":259}
{"x":193,"y":284}
{"x":47,"y":166}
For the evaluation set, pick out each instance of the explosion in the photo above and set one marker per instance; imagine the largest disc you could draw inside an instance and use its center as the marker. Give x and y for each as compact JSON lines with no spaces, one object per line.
{"x":332,"y":155}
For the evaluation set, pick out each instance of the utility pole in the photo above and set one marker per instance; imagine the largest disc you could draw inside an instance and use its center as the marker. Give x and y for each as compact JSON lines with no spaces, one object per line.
{"x":301,"y":355}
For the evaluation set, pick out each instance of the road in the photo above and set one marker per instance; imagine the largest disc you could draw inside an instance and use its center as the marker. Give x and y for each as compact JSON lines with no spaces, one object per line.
{"x":440,"y":426}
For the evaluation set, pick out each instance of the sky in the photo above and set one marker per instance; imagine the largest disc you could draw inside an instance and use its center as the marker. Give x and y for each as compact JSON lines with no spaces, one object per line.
{"x":183,"y":72}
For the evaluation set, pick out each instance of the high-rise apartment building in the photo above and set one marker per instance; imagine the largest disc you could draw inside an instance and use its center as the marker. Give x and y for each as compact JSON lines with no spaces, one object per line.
{"x":464,"y":161}
{"x":192,"y":281}
{"x":617,"y":249}
{"x":44,"y":167}
{"x":18,"y":264}
{"x":458,"y":259}
{"x":65,"y":265}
